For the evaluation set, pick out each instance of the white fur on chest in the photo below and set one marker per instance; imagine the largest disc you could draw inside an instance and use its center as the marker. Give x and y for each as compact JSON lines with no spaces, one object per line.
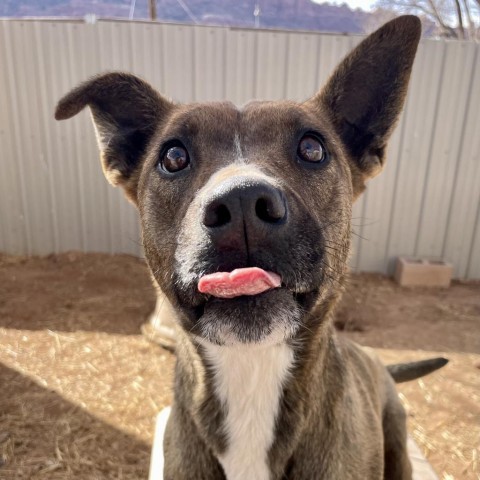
{"x":249,"y":382}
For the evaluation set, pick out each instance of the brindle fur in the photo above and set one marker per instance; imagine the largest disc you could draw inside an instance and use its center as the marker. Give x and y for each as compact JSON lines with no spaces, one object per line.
{"x":340,"y":417}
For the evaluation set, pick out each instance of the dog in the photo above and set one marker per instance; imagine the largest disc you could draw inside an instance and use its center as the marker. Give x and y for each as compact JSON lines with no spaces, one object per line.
{"x":245,"y":217}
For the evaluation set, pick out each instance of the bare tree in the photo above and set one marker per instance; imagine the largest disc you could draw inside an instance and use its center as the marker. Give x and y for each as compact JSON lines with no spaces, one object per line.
{"x":454,"y":18}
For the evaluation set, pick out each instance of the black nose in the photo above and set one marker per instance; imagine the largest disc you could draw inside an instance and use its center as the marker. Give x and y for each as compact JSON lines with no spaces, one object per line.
{"x":242,"y":206}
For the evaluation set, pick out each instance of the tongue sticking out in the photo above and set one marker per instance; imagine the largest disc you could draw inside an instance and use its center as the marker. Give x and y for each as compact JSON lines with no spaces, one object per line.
{"x":242,"y":281}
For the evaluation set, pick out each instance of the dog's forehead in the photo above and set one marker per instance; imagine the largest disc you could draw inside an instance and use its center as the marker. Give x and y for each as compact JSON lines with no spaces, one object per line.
{"x":204,"y":119}
{"x":224,"y":122}
{"x":274,"y":115}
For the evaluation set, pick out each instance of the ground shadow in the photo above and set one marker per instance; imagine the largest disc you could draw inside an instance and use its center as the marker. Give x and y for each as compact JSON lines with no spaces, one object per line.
{"x":377,"y":312}
{"x":75,"y":291}
{"x":44,"y":436}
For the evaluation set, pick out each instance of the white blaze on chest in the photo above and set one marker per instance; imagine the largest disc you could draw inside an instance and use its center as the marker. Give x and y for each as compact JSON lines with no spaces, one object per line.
{"x":249,"y":382}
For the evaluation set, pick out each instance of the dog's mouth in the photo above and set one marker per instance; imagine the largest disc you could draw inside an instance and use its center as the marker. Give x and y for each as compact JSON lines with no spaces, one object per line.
{"x":249,"y":285}
{"x":241,"y":281}
{"x":247,"y":305}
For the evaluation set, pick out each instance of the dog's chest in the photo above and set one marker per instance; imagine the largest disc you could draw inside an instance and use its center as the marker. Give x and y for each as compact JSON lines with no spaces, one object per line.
{"x":249,"y":383}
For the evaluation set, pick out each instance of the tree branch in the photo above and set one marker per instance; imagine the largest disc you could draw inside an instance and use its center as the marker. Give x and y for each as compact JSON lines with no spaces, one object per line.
{"x":451,"y":31}
{"x":460,"y":19}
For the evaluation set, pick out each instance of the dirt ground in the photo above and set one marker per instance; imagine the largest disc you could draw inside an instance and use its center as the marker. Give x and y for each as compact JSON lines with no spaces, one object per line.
{"x":80,"y":386}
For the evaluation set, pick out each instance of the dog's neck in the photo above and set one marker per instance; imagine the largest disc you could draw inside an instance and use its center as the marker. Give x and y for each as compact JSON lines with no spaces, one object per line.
{"x":249,"y":383}
{"x":250,"y":403}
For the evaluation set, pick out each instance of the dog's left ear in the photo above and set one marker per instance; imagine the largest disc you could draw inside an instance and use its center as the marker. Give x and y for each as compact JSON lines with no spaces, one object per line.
{"x":126,"y":113}
{"x":365,"y":95}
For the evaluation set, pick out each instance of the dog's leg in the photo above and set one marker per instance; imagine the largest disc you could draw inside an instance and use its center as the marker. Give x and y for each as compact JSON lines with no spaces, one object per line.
{"x":157,"y":460}
{"x":187,"y":457}
{"x":397,"y":463}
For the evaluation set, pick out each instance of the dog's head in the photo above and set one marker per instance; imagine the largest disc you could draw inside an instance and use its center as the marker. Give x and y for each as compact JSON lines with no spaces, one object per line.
{"x":267,"y":188}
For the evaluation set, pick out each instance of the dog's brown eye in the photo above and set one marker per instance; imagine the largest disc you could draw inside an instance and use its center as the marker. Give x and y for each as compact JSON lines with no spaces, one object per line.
{"x":310,"y":149}
{"x":175,"y":159}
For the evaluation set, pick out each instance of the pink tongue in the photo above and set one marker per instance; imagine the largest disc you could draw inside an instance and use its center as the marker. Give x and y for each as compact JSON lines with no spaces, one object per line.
{"x":242,"y":281}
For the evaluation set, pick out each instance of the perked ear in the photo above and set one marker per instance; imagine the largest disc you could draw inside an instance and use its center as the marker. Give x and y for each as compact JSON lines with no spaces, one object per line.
{"x":126,"y":112}
{"x":366,"y":93}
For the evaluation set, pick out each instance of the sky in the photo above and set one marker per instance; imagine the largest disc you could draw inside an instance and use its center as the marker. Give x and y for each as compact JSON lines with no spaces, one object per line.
{"x":363,"y":4}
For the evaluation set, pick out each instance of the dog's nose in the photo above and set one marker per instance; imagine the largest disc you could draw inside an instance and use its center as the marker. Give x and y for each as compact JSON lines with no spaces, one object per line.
{"x":245,"y":206}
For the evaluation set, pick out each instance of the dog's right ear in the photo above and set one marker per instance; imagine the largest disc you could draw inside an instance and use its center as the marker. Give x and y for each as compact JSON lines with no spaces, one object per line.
{"x":126,"y":112}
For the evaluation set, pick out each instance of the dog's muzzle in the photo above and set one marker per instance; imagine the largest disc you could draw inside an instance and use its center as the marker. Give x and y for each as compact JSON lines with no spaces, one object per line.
{"x":243,"y":212}
{"x":249,"y":274}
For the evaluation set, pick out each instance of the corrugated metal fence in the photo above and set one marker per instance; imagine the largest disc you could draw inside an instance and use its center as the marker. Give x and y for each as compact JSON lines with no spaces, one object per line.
{"x":53,"y":196}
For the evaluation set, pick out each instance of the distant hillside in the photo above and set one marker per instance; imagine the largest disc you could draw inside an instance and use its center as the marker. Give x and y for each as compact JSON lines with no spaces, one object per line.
{"x":284,"y":14}
{"x":289,"y":14}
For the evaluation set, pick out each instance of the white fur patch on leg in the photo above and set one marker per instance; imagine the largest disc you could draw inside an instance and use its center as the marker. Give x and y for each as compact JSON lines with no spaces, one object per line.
{"x":249,"y":382}
{"x":157,"y":460}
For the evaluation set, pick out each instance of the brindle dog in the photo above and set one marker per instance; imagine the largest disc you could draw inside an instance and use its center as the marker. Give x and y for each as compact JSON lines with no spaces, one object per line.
{"x":264,"y":389}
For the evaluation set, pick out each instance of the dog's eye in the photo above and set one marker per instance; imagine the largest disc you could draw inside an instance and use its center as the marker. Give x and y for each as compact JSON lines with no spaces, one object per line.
{"x":175,"y":159}
{"x":310,"y":149}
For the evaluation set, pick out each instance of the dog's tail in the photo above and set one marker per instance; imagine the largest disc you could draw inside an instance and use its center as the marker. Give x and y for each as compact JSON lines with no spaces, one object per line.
{"x":404,"y":372}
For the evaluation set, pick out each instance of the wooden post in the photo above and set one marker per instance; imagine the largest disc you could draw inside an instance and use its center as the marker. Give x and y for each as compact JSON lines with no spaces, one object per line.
{"x":153,"y":9}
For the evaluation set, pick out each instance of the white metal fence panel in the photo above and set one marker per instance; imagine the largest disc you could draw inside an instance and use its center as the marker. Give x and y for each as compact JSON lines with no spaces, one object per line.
{"x":53,"y":196}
